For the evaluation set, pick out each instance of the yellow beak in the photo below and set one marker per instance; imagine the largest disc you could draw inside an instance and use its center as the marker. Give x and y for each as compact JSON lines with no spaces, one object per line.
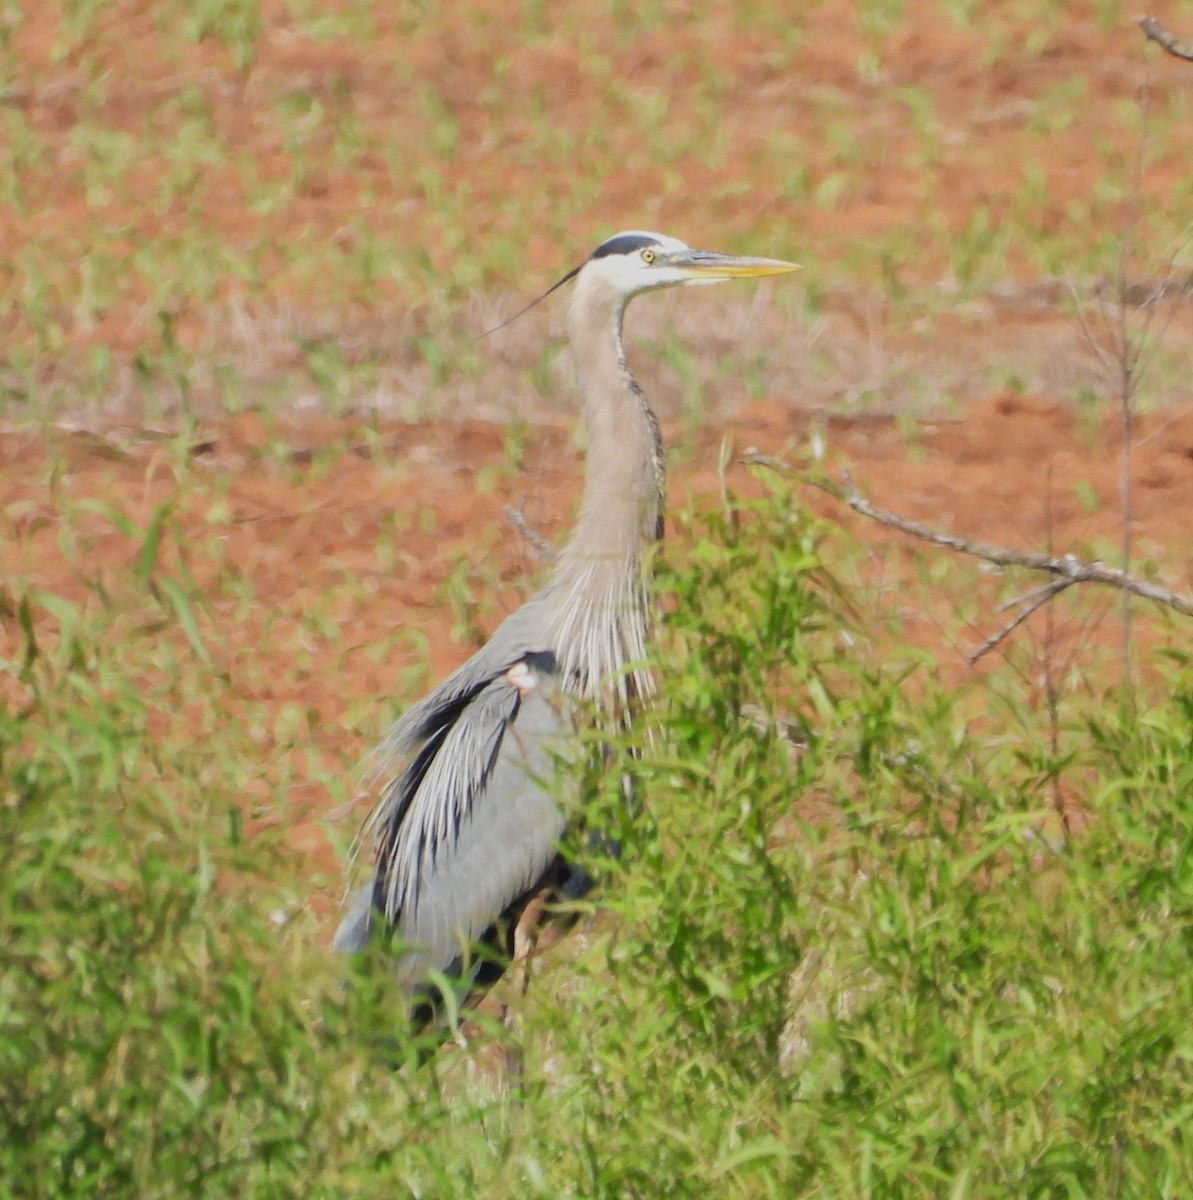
{"x":700,"y":264}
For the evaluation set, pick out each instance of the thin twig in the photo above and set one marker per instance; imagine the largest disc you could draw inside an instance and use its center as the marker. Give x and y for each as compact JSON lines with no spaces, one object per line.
{"x":1066,"y":566}
{"x":1125,"y":350}
{"x":1051,"y":688}
{"x":1035,"y":601}
{"x":1166,"y":41}
{"x":1152,"y":334}
{"x":1026,"y":598}
{"x":1129,"y":354}
{"x":1091,"y":339}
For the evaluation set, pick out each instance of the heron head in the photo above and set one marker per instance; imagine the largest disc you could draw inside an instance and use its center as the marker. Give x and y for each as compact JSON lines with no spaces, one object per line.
{"x":637,"y":261}
{"x":633,"y":262}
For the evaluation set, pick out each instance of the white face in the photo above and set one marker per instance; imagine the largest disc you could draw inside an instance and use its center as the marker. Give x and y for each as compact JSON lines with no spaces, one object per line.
{"x":641,"y":270}
{"x":635,"y":262}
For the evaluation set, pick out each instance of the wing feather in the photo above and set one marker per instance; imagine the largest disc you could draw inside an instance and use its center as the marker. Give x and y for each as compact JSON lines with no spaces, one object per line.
{"x":518,"y":635}
{"x":469,"y":823}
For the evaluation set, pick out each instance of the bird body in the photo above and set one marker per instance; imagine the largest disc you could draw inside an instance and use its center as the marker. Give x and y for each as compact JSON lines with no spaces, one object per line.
{"x":467,"y":822}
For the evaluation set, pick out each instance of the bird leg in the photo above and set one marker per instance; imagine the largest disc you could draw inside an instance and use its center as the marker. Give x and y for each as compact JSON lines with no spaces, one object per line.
{"x":525,"y":940}
{"x":526,"y":936}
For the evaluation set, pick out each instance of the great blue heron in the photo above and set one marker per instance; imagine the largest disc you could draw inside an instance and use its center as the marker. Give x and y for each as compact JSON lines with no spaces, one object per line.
{"x":466,"y":824}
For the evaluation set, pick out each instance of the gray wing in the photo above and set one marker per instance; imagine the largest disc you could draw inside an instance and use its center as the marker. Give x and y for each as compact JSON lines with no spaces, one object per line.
{"x":470,"y":823}
{"x":521,"y":633}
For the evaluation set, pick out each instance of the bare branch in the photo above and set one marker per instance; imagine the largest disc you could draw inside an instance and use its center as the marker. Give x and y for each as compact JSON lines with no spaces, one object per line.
{"x":1130,"y":351}
{"x":1026,"y":598}
{"x":1152,"y":337}
{"x":1091,"y":340}
{"x":1156,"y":32}
{"x":1031,"y":603}
{"x":1066,"y":566}
{"x":1051,"y":687}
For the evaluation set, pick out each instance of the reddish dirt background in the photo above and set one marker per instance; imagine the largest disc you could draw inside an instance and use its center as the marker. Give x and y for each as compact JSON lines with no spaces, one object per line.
{"x":490,"y":75}
{"x":294,"y":530}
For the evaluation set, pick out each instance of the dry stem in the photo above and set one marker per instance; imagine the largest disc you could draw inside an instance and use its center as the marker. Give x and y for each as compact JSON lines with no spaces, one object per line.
{"x":1065,"y":567}
{"x":1030,"y":603}
{"x":1166,"y":41}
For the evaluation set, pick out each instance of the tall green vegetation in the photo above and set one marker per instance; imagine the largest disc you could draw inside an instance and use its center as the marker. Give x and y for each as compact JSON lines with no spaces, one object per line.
{"x":841,"y":955}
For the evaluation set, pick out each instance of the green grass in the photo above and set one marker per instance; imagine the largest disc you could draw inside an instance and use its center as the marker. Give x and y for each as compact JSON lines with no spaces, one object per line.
{"x":848,"y":960}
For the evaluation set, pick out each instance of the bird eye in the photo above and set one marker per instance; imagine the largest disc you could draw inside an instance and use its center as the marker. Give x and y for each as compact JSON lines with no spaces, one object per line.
{"x":648,"y":256}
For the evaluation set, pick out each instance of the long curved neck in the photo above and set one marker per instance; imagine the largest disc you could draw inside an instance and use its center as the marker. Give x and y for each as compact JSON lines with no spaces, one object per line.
{"x":597,"y":597}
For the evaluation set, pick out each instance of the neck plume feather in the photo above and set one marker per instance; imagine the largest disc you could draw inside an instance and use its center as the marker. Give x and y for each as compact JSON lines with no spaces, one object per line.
{"x":598,"y":602}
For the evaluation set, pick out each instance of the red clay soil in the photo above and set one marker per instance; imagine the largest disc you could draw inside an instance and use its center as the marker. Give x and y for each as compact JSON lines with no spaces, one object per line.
{"x":295,"y":526}
{"x":988,"y":103}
